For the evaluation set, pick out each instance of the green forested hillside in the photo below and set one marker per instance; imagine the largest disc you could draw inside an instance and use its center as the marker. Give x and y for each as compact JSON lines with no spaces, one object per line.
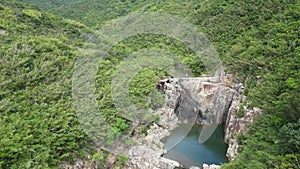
{"x":38,"y":127}
{"x":95,"y":12}
{"x":257,"y":40}
{"x":90,"y":12}
{"x":50,"y":4}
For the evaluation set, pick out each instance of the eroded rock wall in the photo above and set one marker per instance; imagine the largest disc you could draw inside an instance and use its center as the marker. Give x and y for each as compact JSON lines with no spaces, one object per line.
{"x":206,"y":100}
{"x":188,"y":100}
{"x":201,"y":100}
{"x":235,"y":126}
{"x":210,"y":100}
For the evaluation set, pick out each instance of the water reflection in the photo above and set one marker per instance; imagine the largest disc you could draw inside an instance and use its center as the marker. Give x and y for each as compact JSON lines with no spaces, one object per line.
{"x":189,"y":152}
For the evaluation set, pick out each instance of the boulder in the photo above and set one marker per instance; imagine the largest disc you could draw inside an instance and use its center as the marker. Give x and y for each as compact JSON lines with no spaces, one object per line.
{"x":212,"y":166}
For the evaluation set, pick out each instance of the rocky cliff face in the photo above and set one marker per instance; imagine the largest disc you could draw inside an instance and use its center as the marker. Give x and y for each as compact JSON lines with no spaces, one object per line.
{"x":234,"y":125}
{"x":149,"y":155}
{"x":190,"y":100}
{"x":202,"y":100}
{"x":206,"y":100}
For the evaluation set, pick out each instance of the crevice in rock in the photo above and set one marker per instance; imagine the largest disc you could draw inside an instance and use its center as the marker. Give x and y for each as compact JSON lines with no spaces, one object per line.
{"x":201,"y":100}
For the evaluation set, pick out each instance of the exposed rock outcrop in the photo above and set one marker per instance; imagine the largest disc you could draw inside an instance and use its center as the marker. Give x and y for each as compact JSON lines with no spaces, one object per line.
{"x":201,"y":100}
{"x":168,"y":164}
{"x":81,"y":164}
{"x":213,"y":166}
{"x":205,"y":100}
{"x":2,"y":32}
{"x":148,"y":156}
{"x":188,"y":100}
{"x":234,"y":125}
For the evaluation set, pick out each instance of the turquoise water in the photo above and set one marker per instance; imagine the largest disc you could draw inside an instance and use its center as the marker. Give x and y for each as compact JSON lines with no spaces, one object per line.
{"x":189,"y":152}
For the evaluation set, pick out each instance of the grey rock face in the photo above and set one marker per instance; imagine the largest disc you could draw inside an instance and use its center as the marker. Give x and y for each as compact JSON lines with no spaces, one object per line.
{"x":188,"y":100}
{"x":213,"y":166}
{"x":206,"y":100}
{"x":168,"y":164}
{"x":193,"y":167}
{"x":235,"y":126}
{"x":81,"y":164}
{"x":200,"y":100}
{"x":148,"y":155}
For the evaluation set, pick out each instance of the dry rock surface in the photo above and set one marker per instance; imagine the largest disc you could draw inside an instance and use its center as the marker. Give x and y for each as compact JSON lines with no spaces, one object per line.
{"x":203,"y":100}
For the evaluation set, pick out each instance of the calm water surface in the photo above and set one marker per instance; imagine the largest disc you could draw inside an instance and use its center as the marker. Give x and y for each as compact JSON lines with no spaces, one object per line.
{"x":189,"y":152}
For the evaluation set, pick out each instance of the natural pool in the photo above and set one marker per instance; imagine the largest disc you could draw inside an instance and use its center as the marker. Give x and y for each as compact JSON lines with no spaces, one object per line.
{"x":189,"y":152}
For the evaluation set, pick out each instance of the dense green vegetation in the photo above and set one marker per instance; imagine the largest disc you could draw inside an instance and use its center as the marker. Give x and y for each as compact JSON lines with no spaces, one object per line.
{"x":257,"y":40}
{"x":45,"y":4}
{"x":90,"y":12}
{"x":95,"y":12}
{"x":261,"y":39}
{"x":37,"y":55}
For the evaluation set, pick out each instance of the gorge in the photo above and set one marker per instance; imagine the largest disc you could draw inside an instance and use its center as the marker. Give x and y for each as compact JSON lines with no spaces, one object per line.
{"x":257,"y":41}
{"x":205,"y":101}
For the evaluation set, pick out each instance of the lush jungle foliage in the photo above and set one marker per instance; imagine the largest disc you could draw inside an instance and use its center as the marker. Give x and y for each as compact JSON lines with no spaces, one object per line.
{"x":38,"y":127}
{"x":258,"y":40}
{"x":90,"y":12}
{"x":45,"y":4}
